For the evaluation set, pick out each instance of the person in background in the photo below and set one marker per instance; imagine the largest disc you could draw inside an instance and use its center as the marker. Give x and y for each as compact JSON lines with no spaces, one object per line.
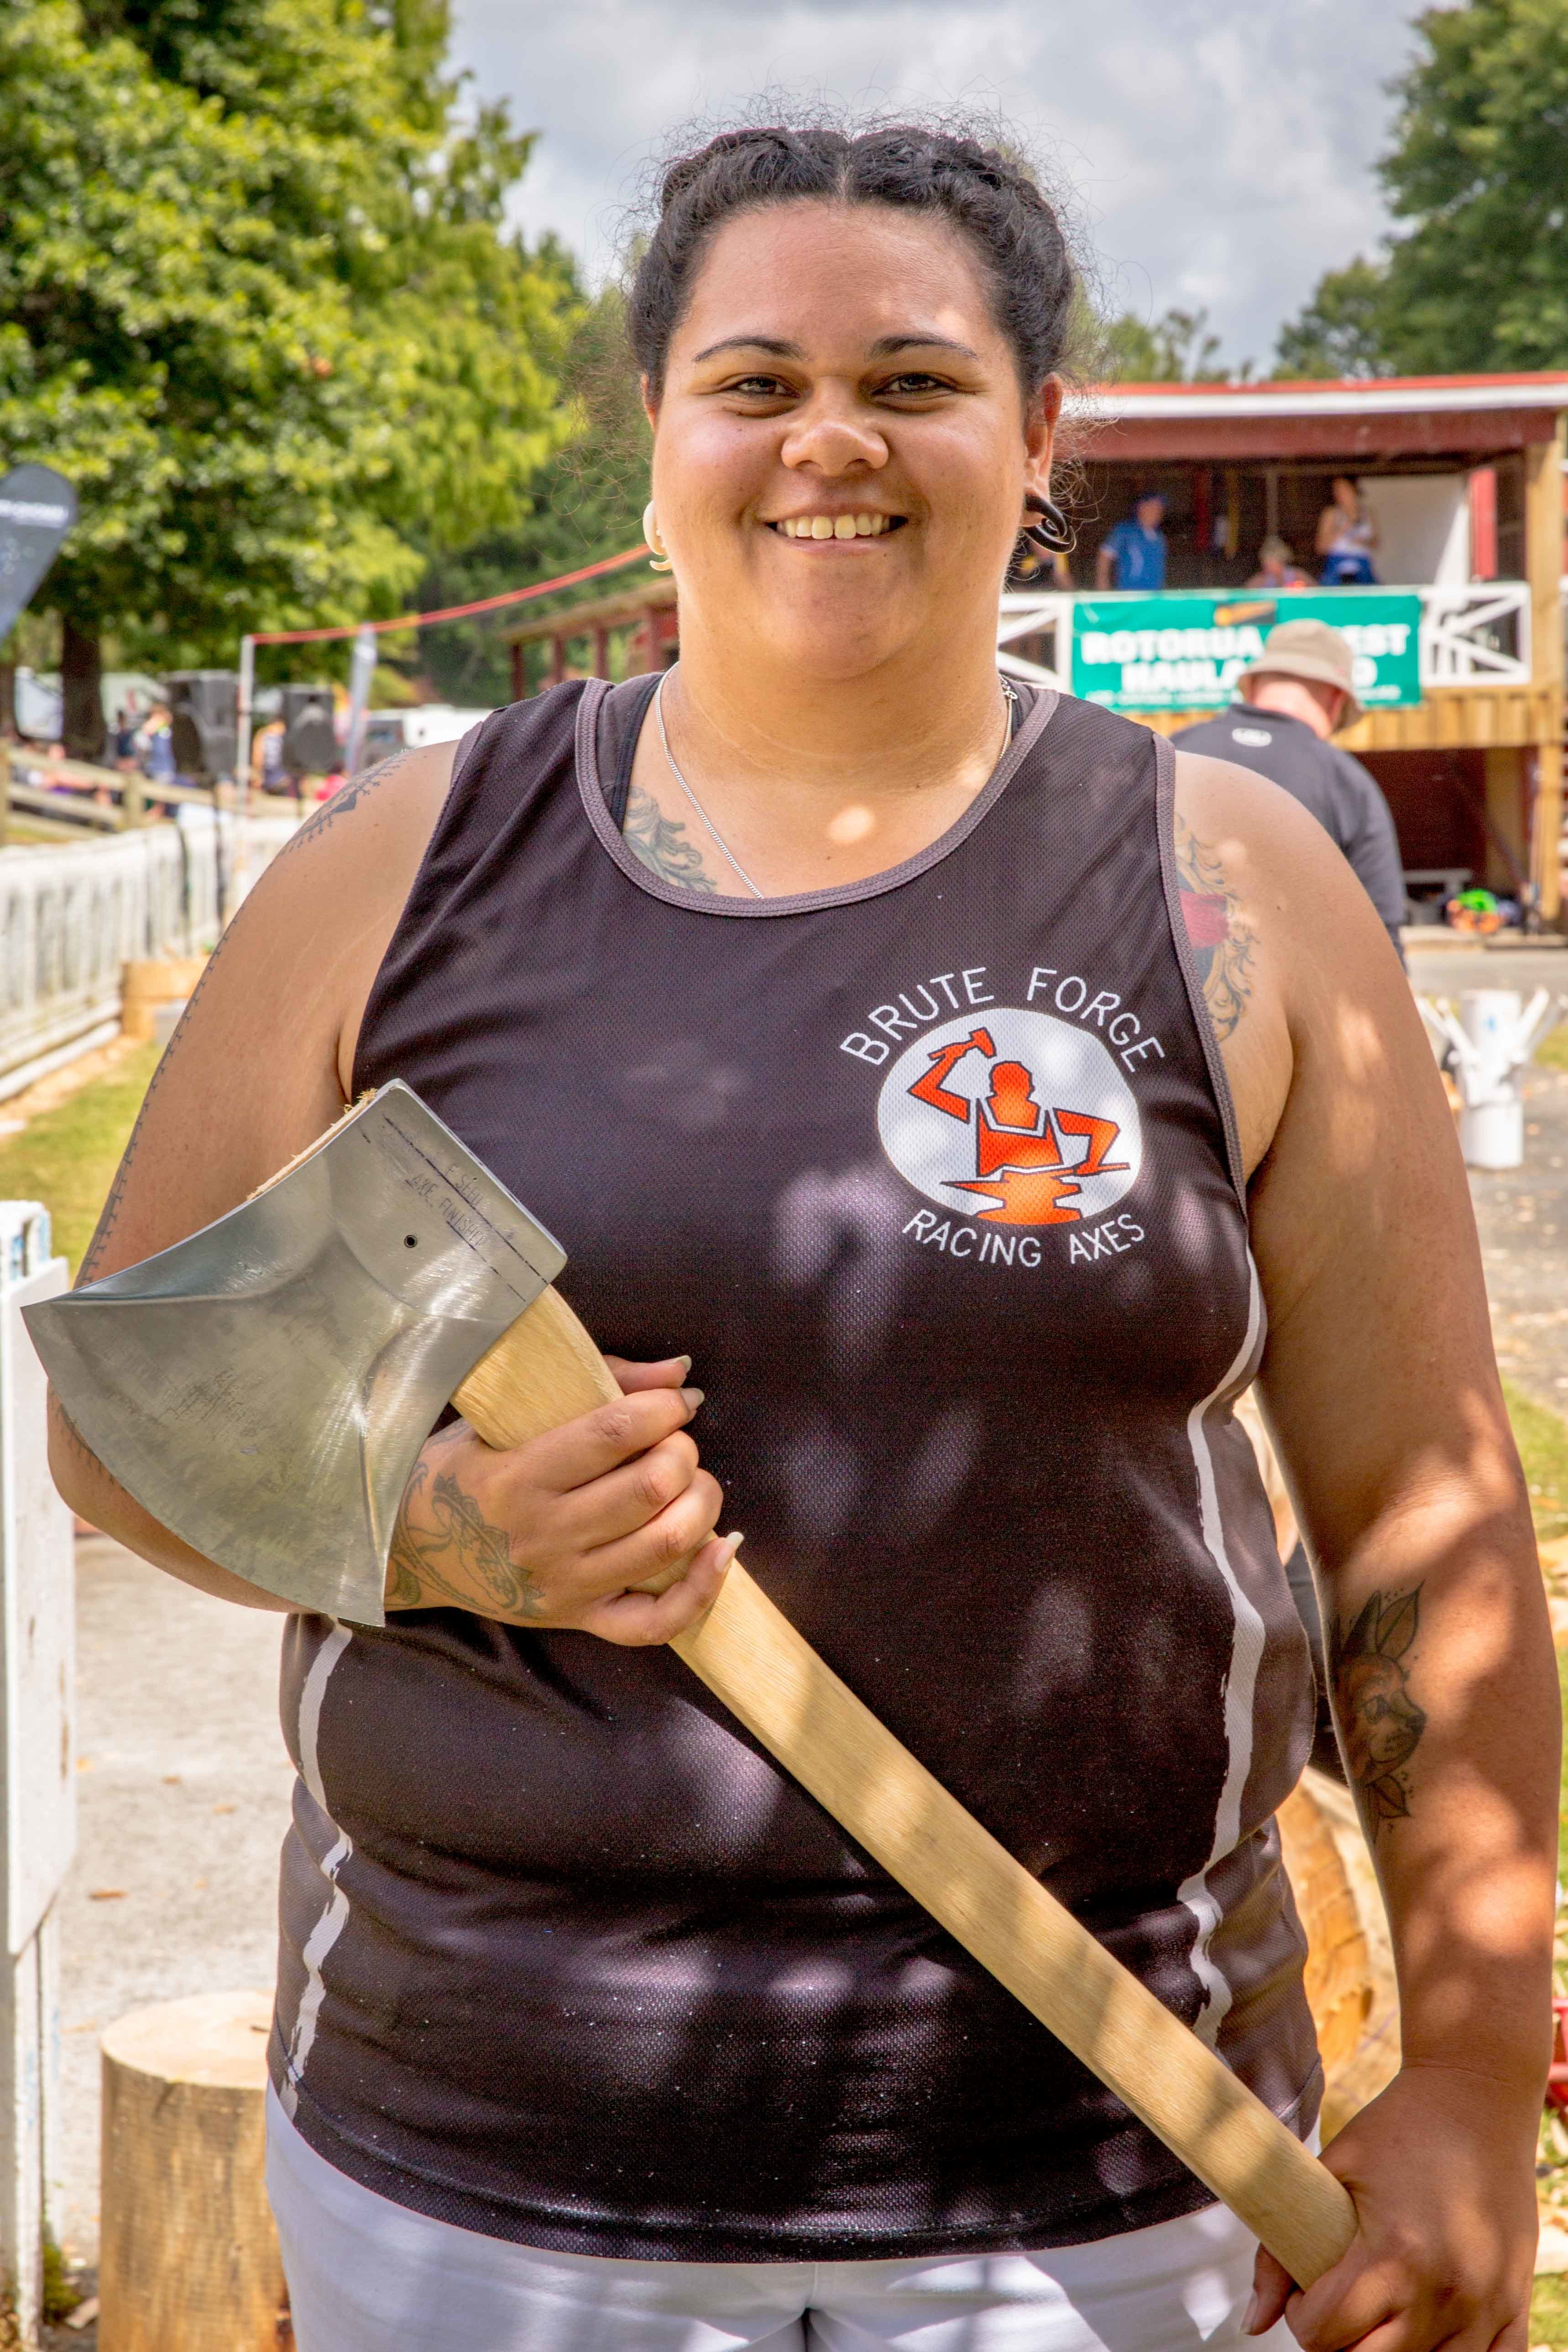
{"x":1347,"y":535}
{"x":158,"y":746}
{"x":1296,"y":694}
{"x":1277,"y":566}
{"x":1135,"y":550}
{"x":126,"y":727}
{"x":266,"y":759}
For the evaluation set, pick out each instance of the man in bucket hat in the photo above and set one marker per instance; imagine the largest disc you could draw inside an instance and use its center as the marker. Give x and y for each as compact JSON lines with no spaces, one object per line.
{"x":1298,"y":692}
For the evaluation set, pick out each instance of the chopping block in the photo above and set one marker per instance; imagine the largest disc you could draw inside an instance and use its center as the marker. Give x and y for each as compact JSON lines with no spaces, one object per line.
{"x":189,"y":2259}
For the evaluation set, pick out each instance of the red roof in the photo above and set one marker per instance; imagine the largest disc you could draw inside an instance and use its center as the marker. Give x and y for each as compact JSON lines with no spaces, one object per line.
{"x":1343,"y":419}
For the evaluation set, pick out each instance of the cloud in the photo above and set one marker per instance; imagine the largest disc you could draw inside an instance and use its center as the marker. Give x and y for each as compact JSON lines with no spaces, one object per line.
{"x":1220,"y":151}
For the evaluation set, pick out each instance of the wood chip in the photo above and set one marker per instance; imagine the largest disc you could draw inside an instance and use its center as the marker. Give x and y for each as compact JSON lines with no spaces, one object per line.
{"x":84,"y":2313}
{"x":106,"y":1895}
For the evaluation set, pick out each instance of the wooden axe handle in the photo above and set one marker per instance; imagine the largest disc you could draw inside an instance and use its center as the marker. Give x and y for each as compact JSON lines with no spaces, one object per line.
{"x":546,"y":1369}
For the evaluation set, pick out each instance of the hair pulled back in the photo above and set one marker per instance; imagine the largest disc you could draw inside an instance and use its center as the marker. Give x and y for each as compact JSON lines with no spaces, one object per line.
{"x":994,"y":202}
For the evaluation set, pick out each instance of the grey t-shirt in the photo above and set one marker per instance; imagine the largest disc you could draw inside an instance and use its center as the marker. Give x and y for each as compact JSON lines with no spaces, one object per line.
{"x":1337,"y":789}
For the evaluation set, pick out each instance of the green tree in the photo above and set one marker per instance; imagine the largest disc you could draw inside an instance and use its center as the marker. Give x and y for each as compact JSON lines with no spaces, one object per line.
{"x":585,"y":503}
{"x":260,"y":305}
{"x":1178,"y":347}
{"x":1478,"y":177}
{"x":1480,"y":171}
{"x":1340,"y":332}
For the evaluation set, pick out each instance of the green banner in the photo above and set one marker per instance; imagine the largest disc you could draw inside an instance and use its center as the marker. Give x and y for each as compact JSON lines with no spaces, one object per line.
{"x":1185,"y":652}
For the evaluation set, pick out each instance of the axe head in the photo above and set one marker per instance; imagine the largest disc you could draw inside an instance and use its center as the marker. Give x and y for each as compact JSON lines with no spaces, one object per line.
{"x":265,"y":1387}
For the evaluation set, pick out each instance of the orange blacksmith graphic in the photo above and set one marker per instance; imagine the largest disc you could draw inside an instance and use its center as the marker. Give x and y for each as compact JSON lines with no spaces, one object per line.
{"x":1018,"y":1120}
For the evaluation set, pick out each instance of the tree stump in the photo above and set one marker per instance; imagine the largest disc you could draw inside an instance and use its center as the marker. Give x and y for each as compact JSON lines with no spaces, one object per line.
{"x":189,"y":2259}
{"x":150,"y":982}
{"x":1351,"y":1986}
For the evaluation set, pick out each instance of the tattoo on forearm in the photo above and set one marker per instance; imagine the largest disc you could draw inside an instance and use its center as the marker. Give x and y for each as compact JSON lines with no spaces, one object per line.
{"x":662,"y":844}
{"x":347,"y":797}
{"x":444,"y":1549}
{"x":1379,"y":1720}
{"x":1222,"y":941}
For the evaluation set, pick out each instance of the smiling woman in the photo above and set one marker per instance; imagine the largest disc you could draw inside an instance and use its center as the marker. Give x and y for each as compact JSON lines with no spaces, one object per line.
{"x":972,"y":1088}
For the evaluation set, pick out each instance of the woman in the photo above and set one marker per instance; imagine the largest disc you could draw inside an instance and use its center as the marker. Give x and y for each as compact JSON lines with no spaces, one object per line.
{"x":839,"y":1006}
{"x":1345,"y":539}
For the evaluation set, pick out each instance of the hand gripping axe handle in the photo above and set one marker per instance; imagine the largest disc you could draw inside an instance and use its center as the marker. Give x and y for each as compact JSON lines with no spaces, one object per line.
{"x":546,"y":1369}
{"x":264,"y":1388}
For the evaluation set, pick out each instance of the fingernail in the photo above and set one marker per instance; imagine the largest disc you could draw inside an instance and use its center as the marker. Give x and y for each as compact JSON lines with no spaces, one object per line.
{"x":1251,"y":2314}
{"x":684,"y":1361}
{"x":731,"y":1546}
{"x":693,"y":1398}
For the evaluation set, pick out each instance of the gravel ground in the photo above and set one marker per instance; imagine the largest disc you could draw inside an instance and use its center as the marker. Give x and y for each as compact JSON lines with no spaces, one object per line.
{"x":183,"y":1797}
{"x":1521,"y":1214}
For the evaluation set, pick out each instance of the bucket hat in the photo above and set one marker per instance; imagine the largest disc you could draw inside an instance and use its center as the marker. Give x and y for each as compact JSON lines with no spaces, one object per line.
{"x":1312,"y":650}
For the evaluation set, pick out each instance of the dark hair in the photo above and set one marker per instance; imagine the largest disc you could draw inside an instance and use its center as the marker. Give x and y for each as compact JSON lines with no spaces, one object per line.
{"x":994,"y":200}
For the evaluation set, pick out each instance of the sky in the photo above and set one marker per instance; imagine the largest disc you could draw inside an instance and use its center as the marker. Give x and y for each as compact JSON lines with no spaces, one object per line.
{"x":1219,"y":153}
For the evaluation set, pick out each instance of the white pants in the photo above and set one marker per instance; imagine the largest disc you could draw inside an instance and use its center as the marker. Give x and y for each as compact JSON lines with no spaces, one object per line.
{"x":366,"y":2275}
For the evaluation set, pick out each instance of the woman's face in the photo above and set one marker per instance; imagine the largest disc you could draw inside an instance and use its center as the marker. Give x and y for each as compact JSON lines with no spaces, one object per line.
{"x":1345,"y":494}
{"x":842,"y":447}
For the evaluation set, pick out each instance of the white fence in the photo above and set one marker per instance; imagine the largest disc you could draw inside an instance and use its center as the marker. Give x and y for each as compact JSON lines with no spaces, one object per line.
{"x":69,"y":917}
{"x":1478,"y":635}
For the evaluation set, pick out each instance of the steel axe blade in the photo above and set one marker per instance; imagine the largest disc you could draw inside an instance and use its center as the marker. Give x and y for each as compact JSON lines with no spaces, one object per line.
{"x":264,"y":1387}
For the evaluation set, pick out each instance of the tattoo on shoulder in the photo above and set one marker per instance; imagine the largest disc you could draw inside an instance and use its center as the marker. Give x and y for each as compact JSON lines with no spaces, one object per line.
{"x":445,"y":1549}
{"x":1379,"y":1719}
{"x":344,"y":800}
{"x":662,"y":844}
{"x":1222,"y":941}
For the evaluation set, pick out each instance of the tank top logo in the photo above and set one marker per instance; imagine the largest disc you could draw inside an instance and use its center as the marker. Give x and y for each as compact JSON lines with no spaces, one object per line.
{"x":1012,"y":1117}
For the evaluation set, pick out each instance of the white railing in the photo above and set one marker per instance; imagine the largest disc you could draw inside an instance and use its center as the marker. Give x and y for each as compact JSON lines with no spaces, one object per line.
{"x":1034,"y":639}
{"x":1476,"y":635}
{"x":71,"y":917}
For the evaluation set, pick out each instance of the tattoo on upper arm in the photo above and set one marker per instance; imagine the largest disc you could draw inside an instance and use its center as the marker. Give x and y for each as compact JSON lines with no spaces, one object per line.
{"x":661,"y":843}
{"x":1222,"y":941}
{"x":1379,"y":1720}
{"x":441,"y":1533}
{"x":345,"y":798}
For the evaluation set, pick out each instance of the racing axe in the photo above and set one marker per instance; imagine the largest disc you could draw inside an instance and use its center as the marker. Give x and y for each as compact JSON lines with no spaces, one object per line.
{"x":264,"y":1389}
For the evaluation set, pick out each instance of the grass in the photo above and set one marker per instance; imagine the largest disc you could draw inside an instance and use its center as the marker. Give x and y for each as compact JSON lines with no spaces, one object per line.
{"x":1541,"y":1437}
{"x":66,"y":1156}
{"x":1553,"y":1051}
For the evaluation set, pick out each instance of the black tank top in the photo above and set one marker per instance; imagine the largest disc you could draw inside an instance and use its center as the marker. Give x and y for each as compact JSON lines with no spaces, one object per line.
{"x":935,"y":1176}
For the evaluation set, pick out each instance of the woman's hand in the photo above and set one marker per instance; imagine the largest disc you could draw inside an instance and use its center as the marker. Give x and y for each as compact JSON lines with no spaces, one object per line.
{"x":604,"y":1525}
{"x":1442,"y":2170}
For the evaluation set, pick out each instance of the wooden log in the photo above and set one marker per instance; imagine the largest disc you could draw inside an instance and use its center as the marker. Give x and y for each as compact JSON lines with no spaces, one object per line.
{"x":1351,"y":1985}
{"x":189,"y":2259}
{"x":146,"y":985}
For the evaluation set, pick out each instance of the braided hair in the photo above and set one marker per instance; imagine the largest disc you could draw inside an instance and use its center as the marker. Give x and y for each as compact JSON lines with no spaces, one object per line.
{"x":991,"y":199}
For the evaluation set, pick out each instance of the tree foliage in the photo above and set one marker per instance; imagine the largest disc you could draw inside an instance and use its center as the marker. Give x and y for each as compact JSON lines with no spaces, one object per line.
{"x":260,"y":305}
{"x":1477,"y":175}
{"x":1177,"y":348}
{"x":1340,"y":331}
{"x":585,"y":503}
{"x":1479,"y":169}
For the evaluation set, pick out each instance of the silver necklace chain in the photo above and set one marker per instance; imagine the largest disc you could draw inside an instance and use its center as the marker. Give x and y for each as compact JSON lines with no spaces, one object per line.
{"x":675,"y":771}
{"x":1008,"y":690}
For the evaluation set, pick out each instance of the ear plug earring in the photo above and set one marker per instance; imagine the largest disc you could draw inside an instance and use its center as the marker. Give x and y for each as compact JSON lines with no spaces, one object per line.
{"x":1053,"y":532}
{"x":659,"y":560}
